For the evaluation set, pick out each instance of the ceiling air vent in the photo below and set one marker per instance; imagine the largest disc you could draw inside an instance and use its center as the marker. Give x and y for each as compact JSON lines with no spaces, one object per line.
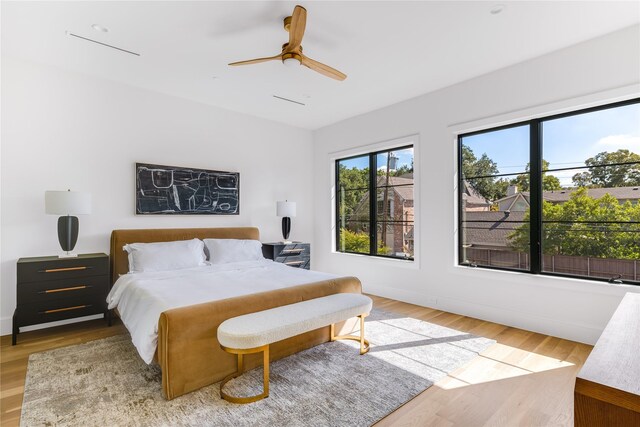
{"x":103,"y":44}
{"x":289,"y":100}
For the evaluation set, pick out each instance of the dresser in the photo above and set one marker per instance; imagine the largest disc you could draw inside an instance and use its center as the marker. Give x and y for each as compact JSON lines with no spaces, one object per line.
{"x":607,"y":389}
{"x":51,"y":288}
{"x":294,"y":254}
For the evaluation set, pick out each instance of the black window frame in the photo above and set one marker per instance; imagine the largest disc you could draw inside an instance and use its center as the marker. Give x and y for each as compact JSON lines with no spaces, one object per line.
{"x":535,"y":193}
{"x":373,"y":190}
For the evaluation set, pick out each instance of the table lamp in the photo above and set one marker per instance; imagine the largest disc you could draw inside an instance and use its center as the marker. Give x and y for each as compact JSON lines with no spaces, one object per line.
{"x":67,"y":203}
{"x":286,"y":210}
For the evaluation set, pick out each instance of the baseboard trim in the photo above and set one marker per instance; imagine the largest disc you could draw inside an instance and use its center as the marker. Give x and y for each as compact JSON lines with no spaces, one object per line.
{"x":6,"y":324}
{"x":583,"y":333}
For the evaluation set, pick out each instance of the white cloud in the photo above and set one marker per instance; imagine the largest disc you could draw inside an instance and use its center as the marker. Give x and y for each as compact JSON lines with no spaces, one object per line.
{"x":616,"y":142}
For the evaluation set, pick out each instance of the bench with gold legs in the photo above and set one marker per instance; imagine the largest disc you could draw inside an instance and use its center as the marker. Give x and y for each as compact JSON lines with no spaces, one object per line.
{"x":254,"y":332}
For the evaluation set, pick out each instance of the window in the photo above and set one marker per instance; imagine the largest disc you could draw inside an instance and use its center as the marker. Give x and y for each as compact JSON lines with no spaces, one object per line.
{"x":380,"y":226}
{"x":556,"y":195}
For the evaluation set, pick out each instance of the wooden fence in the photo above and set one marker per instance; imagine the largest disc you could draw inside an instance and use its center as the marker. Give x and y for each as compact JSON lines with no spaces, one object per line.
{"x":575,"y":265}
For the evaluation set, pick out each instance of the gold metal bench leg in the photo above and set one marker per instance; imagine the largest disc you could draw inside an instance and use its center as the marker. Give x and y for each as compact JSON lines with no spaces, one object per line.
{"x":241,"y":352}
{"x":265,"y":371}
{"x":364,"y":343}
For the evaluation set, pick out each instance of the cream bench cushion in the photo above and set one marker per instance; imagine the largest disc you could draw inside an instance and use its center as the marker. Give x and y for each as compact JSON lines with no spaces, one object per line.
{"x":276,"y":324}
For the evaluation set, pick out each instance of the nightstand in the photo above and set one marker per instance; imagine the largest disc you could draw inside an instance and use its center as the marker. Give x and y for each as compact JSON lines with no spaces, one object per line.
{"x":51,"y":288}
{"x":294,"y":254}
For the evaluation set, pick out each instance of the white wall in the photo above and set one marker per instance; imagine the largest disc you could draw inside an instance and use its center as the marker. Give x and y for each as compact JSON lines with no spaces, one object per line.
{"x":65,"y":130}
{"x":607,"y":68}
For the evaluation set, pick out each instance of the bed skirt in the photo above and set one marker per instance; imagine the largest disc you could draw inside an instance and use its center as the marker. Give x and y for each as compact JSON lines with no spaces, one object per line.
{"x":188,"y":350}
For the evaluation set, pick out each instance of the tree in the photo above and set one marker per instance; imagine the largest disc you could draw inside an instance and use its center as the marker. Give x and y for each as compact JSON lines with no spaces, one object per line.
{"x":585,"y":226}
{"x":353,"y":186}
{"x":402,"y":170}
{"x":490,"y":188}
{"x":621,"y":175}
{"x":549,"y":182}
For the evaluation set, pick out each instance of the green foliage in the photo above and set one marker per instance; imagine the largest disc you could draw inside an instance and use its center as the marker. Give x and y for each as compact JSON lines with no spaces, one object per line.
{"x":353,"y":241}
{"x":402,"y":170}
{"x":493,"y":189}
{"x":358,"y":241}
{"x":489,"y":188}
{"x":624,"y":175}
{"x":549,"y":182}
{"x":353,"y":187}
{"x":584,"y":236}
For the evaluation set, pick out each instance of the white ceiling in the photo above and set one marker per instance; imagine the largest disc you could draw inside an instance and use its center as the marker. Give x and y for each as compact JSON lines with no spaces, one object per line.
{"x":390,"y":50}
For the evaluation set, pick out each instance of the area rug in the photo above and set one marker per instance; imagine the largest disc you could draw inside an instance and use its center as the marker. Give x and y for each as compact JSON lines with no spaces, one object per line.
{"x":105,"y":383}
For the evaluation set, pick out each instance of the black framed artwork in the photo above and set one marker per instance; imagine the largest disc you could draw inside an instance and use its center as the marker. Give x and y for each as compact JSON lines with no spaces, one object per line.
{"x":169,"y":190}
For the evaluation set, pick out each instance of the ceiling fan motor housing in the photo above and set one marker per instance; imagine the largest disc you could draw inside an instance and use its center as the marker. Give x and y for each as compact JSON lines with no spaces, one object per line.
{"x":290,"y":55}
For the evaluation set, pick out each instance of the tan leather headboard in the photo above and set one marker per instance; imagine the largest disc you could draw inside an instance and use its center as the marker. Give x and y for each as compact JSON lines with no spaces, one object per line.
{"x":119,"y":238}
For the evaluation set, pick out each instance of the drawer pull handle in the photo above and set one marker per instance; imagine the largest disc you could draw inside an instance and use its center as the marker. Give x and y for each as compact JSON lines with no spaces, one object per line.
{"x":292,"y":251}
{"x":57,"y":310}
{"x":74,"y":288}
{"x":57,"y":270}
{"x":294,"y":262}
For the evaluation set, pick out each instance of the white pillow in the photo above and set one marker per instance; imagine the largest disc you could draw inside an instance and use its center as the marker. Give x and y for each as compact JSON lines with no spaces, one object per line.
{"x":162,"y":256}
{"x":222,"y":251}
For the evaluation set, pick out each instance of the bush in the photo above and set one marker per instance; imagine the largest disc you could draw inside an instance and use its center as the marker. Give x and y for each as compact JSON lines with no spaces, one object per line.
{"x":353,"y":241}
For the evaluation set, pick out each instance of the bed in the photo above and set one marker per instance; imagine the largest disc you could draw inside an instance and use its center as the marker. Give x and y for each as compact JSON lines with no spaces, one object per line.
{"x":187,"y":351}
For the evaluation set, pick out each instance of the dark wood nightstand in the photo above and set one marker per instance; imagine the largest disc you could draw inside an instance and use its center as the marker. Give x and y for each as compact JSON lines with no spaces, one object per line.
{"x":51,"y":288}
{"x":294,"y":254}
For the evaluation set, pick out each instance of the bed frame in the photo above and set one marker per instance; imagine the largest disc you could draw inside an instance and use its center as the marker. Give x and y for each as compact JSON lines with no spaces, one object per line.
{"x":188,"y":351}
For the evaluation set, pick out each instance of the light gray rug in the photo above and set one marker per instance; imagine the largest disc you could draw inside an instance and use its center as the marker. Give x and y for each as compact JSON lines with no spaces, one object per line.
{"x":104,"y":382}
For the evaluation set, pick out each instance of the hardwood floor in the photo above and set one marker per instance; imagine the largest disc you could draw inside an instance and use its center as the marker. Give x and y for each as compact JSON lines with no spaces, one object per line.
{"x":524,"y":379}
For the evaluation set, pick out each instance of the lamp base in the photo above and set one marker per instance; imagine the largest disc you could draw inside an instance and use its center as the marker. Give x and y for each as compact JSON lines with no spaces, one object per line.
{"x":68,"y":255}
{"x":286,"y":228}
{"x":68,"y":232}
{"x":286,"y":242}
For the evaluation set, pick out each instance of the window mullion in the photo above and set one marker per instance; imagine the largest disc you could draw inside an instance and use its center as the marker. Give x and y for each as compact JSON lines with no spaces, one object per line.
{"x":535,"y":197}
{"x":461,"y":252}
{"x":338,"y":203}
{"x":373,"y":199}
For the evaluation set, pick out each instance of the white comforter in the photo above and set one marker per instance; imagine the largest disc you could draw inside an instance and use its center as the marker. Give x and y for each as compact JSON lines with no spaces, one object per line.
{"x":141,"y":297}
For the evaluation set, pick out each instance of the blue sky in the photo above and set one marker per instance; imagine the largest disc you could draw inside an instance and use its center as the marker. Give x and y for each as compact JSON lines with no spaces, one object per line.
{"x":567,"y":141}
{"x":404,"y":158}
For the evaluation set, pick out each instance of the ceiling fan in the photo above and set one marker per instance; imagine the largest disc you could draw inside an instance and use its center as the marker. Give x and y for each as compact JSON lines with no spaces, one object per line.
{"x":292,"y":51}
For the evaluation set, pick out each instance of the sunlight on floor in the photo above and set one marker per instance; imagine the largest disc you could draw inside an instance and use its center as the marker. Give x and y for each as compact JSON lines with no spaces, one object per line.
{"x":500,"y":362}
{"x":402,"y":341}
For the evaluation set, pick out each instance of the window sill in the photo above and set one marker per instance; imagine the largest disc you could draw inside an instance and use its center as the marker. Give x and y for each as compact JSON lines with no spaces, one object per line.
{"x":552,"y":282}
{"x":392,"y":262}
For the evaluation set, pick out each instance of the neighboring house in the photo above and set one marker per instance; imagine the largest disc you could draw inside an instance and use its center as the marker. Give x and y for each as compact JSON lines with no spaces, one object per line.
{"x":399,"y":213}
{"x":490,"y":230}
{"x":473,"y":201}
{"x":519,"y":201}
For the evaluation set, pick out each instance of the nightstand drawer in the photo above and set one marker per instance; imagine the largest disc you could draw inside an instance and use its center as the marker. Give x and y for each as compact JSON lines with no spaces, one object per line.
{"x":300,"y":262}
{"x":293,"y":249}
{"x":52,"y":268}
{"x":67,"y":308}
{"x":62,"y":288}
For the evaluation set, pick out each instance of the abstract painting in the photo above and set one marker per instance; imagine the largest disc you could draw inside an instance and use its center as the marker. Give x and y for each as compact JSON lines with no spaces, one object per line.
{"x":176,"y":190}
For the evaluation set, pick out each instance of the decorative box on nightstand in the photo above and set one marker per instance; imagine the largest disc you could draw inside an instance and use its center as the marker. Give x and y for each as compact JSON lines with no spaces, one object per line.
{"x":294,"y":254}
{"x":51,"y":288}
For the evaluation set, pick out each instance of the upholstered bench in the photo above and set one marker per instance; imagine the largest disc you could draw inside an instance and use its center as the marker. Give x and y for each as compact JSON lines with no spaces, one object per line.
{"x":253,"y":332}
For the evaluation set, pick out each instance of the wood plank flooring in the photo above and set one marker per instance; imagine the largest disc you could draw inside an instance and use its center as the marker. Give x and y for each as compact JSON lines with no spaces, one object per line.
{"x":524,"y":379}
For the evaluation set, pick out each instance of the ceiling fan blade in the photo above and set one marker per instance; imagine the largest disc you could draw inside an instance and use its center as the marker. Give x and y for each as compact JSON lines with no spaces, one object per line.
{"x":257,"y":60}
{"x":296,"y":29}
{"x":322,"y":68}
